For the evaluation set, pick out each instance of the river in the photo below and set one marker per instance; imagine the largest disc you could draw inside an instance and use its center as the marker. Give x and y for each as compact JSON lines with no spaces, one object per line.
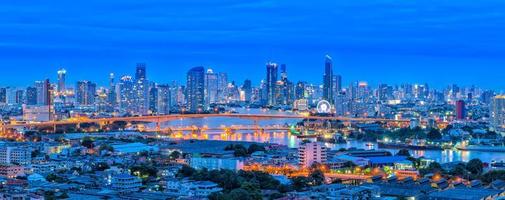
{"x":284,"y":138}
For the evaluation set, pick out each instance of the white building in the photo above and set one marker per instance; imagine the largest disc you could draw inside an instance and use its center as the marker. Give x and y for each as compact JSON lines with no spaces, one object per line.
{"x":15,"y":155}
{"x":497,"y":112}
{"x":197,"y":189}
{"x":36,"y":113}
{"x":125,"y":183}
{"x":310,"y":153}
{"x":216,"y":163}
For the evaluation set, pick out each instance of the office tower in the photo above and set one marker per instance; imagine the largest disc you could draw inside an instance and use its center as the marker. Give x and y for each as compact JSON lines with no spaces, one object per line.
{"x":337,"y":84}
{"x":164,"y":99}
{"x":153,"y":99}
{"x":222,"y":86}
{"x":126,"y":94}
{"x":271,"y":83}
{"x":43,"y":92}
{"x":310,"y":153}
{"x":328,"y":80}
{"x":140,"y":72}
{"x":247,"y":88}
{"x":300,"y":90}
{"x":20,"y":97}
{"x":85,"y":92}
{"x":31,"y":96}
{"x":112,"y":94}
{"x":460,"y":110}
{"x":62,"y":73}
{"x":211,"y":88}
{"x":3,"y":95}
{"x":195,"y":90}
{"x":497,"y":112}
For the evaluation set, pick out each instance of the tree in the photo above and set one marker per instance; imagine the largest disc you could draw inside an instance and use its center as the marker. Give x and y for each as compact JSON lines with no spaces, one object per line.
{"x":474,"y":166}
{"x":459,"y":170}
{"x":300,"y":183}
{"x":106,"y":147}
{"x":317,"y":177}
{"x":240,"y":151}
{"x":255,"y":147}
{"x":493,"y":175}
{"x":240,"y":194}
{"x":174,"y":155}
{"x":434,"y":134}
{"x":403,"y":152}
{"x":186,"y":171}
{"x":101,"y":166}
{"x":87,"y":142}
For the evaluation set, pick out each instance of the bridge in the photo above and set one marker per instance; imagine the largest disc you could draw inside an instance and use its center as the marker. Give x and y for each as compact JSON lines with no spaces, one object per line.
{"x":158,"y":119}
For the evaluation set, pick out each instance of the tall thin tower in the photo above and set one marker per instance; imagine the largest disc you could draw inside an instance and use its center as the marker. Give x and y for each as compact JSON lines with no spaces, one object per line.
{"x":328,"y":80}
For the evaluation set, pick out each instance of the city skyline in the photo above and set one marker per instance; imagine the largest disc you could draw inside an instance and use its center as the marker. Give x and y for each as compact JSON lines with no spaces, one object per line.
{"x":394,"y":42}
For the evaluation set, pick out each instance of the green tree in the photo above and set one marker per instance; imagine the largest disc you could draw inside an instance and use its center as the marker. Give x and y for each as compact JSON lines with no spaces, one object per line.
{"x":403,"y":152}
{"x":475,"y":166}
{"x":300,"y":183}
{"x":186,"y":171}
{"x":255,"y":147}
{"x":434,"y":134}
{"x":87,"y":142}
{"x":175,"y":155}
{"x":317,"y":177}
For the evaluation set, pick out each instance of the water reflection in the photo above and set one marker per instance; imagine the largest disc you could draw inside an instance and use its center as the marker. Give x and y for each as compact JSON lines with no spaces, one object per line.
{"x":284,"y":138}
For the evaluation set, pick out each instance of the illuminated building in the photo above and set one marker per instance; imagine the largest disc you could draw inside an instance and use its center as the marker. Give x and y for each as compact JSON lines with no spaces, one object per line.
{"x":36,"y":113}
{"x":163,"y":101}
{"x":195,"y":89}
{"x":497,"y":112}
{"x":310,"y":153}
{"x":61,"y":81}
{"x":125,"y":183}
{"x":16,"y":155}
{"x":126,"y":93}
{"x":140,"y":72}
{"x":153,"y":99}
{"x":247,"y":88}
{"x":85,"y":92}
{"x":337,"y":84}
{"x":43,"y":92}
{"x":3,"y":95}
{"x":460,"y":110}
{"x":271,"y":83}
{"x":31,"y":96}
{"x":222,"y":87}
{"x":328,"y":79}
{"x":211,"y":87}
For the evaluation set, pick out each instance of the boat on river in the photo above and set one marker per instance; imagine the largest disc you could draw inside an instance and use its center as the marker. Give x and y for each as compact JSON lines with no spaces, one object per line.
{"x":485,"y":148}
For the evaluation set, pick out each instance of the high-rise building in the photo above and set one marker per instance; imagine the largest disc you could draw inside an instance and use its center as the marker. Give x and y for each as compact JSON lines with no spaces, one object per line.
{"x":153,"y":99}
{"x":460,"y":110}
{"x":247,"y":88}
{"x":271,"y":83}
{"x":195,"y":90}
{"x":140,"y":72}
{"x":300,"y":90}
{"x":62,"y":73}
{"x":85,"y":92}
{"x":20,"y":97}
{"x":497,"y":112}
{"x":337,"y":84}
{"x":211,"y":87}
{"x":222,"y":87}
{"x":126,"y":94}
{"x":3,"y":95}
{"x":31,"y":96}
{"x":43,"y":92}
{"x":164,"y":99}
{"x":310,"y":153}
{"x":328,"y":80}
{"x":112,"y":94}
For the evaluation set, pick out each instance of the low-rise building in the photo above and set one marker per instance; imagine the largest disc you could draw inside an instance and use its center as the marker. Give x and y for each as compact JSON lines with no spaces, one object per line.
{"x":125,"y":183}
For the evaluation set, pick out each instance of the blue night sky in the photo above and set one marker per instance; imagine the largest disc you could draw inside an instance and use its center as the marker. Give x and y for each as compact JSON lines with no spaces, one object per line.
{"x":381,"y":41}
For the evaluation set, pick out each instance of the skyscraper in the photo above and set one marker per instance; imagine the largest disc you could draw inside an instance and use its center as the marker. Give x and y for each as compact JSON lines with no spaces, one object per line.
{"x":85,"y":92}
{"x":337,"y":84}
{"x":497,"y":112}
{"x":271,"y":83}
{"x":126,"y":94}
{"x":328,"y":80}
{"x":31,"y":96}
{"x":222,"y":87}
{"x":460,"y":110}
{"x":164,"y":99}
{"x":247,"y":88}
{"x":140,"y":72}
{"x":43,"y":92}
{"x":211,"y":88}
{"x":195,"y":89}
{"x":62,"y":73}
{"x":3,"y":95}
{"x":153,"y":99}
